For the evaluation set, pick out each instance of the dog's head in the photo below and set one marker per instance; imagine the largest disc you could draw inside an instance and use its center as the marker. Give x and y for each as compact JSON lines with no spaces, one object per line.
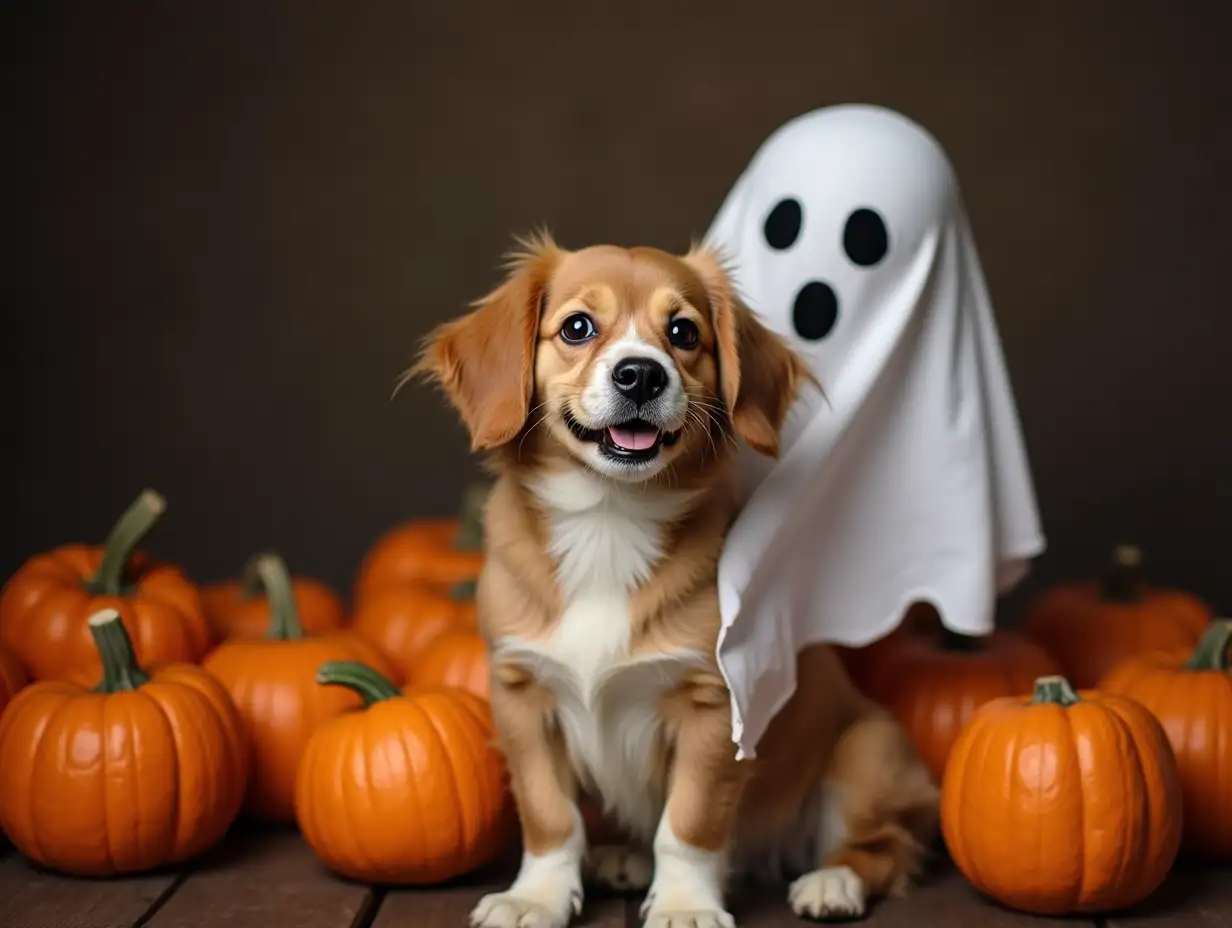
{"x":628,"y":359}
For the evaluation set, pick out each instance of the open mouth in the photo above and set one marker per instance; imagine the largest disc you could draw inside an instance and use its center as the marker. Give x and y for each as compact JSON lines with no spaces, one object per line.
{"x":634,"y":440}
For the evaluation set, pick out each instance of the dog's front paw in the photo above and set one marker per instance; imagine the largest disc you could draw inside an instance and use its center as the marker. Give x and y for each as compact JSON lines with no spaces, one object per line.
{"x":618,"y":867}
{"x":522,"y":910}
{"x":829,"y":893}
{"x":671,"y":910}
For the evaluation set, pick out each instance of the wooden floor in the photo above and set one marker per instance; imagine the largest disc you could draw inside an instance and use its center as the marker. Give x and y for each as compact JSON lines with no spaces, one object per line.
{"x":263,"y":879}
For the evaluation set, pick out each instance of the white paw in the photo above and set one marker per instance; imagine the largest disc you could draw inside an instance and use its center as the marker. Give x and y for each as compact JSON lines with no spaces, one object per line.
{"x":662,"y":917}
{"x":833,"y":892}
{"x":522,"y":910}
{"x":618,"y":867}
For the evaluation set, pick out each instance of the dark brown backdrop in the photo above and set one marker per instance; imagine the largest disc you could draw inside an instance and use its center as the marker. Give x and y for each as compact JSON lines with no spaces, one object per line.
{"x":234,"y":219}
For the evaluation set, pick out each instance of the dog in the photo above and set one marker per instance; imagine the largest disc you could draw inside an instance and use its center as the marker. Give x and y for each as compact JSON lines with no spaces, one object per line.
{"x":607,"y":388}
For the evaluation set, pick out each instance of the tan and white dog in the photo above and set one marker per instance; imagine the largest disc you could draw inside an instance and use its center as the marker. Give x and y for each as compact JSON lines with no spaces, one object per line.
{"x":608,"y":387}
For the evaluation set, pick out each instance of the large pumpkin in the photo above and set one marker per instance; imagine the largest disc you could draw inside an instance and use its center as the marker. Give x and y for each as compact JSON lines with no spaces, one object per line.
{"x":44,"y":606}
{"x":273,"y":683}
{"x":935,"y":684}
{"x":438,"y":551}
{"x":1091,"y":626}
{"x":920,"y":620}
{"x":145,"y":770}
{"x":1191,"y":695}
{"x":409,"y":790}
{"x":455,"y":659}
{"x":240,"y":609}
{"x":404,"y":620}
{"x":12,"y":678}
{"x":1060,"y":803}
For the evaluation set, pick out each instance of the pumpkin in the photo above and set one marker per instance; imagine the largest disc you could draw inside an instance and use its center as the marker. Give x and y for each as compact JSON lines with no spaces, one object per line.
{"x":273,"y":683}
{"x":862,"y":663}
{"x":455,"y":659}
{"x":12,"y":678}
{"x":44,"y":606}
{"x":403,"y":621}
{"x":1063,"y":803}
{"x":1191,"y":695}
{"x":934,"y":684}
{"x":440,"y":551}
{"x":240,"y":609}
{"x":1091,"y":626}
{"x":145,"y":770}
{"x":407,"y":791}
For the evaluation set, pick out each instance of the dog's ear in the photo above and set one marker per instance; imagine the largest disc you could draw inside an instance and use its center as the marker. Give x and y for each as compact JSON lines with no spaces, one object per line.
{"x":760,"y":375}
{"x":485,"y":361}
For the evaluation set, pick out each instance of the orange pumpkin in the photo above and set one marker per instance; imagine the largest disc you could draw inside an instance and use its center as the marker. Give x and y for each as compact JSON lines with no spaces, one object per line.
{"x":273,"y":683}
{"x":1191,"y":695}
{"x":441,"y":552}
{"x":408,"y":791}
{"x":143,"y":771}
{"x":240,"y":609}
{"x":935,"y":684}
{"x":1091,"y":626}
{"x":402,"y":621}
{"x":44,"y":606}
{"x":921,"y":619}
{"x":12,"y":678}
{"x":455,"y":659}
{"x":1063,"y":803}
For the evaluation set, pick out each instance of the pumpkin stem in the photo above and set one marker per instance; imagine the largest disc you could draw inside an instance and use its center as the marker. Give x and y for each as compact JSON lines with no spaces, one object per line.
{"x":463,"y":589}
{"x":955,"y":641}
{"x":115,"y":649}
{"x":269,"y":572}
{"x":1212,"y":650}
{"x":372,"y":686}
{"x":1054,"y":690}
{"x":1123,"y":579}
{"x":126,"y":534}
{"x":470,"y":531}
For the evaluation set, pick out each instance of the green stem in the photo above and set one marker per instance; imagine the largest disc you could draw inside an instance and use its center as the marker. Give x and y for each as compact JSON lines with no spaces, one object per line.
{"x":126,"y":534}
{"x":965,"y":644}
{"x":1212,"y":650}
{"x":115,"y":649}
{"x":371,"y":686}
{"x":464,"y":589}
{"x":470,"y":532}
{"x":1055,"y":691}
{"x":268,"y":572}
{"x":1122,"y":582}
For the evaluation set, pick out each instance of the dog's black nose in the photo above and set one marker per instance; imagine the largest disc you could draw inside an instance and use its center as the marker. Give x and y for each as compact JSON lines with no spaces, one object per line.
{"x":640,"y":379}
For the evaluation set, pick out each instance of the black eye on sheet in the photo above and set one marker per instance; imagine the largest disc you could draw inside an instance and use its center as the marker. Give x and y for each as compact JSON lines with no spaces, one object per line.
{"x":865,"y":239}
{"x":782,"y":225}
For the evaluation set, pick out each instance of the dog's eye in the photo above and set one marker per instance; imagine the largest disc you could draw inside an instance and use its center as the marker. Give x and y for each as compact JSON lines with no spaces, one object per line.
{"x":578,"y":328}
{"x":682,"y":333}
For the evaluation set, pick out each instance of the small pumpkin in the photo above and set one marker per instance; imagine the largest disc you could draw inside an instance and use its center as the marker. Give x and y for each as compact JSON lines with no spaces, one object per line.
{"x":273,"y":683}
{"x":934,"y":684}
{"x":12,"y":678}
{"x":44,"y":606}
{"x":441,"y":552}
{"x":1091,"y":626}
{"x":145,"y":770}
{"x":1191,"y":695}
{"x":240,"y":609}
{"x":404,"y":620}
{"x":455,"y":659}
{"x":407,"y":791}
{"x":1063,"y":803}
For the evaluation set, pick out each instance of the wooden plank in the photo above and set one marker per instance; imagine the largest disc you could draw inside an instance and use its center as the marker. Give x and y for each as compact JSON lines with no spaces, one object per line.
{"x":259,"y":879}
{"x":944,"y":899}
{"x":1193,"y":897}
{"x":34,"y":898}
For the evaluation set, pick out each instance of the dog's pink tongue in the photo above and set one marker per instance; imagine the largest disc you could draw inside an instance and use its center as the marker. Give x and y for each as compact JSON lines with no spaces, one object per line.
{"x":632,"y":439}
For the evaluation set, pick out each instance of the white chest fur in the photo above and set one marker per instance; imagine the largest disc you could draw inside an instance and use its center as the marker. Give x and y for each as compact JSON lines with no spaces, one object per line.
{"x":606,"y":539}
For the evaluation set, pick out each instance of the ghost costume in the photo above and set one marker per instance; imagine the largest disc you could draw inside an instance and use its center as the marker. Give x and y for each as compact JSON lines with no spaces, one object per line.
{"x":905,"y":478}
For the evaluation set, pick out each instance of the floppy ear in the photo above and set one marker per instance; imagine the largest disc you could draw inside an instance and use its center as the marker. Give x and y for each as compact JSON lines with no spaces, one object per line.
{"x":485,"y":361}
{"x":760,"y":375}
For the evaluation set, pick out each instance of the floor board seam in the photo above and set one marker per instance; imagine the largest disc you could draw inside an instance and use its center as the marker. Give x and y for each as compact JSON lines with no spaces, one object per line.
{"x":161,"y":900}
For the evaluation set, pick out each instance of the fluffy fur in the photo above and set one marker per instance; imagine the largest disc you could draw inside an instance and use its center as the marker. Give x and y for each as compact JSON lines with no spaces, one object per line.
{"x":599,"y":603}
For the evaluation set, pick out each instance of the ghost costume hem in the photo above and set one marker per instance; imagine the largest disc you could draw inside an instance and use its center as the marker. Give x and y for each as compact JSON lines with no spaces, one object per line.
{"x":906,"y":477}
